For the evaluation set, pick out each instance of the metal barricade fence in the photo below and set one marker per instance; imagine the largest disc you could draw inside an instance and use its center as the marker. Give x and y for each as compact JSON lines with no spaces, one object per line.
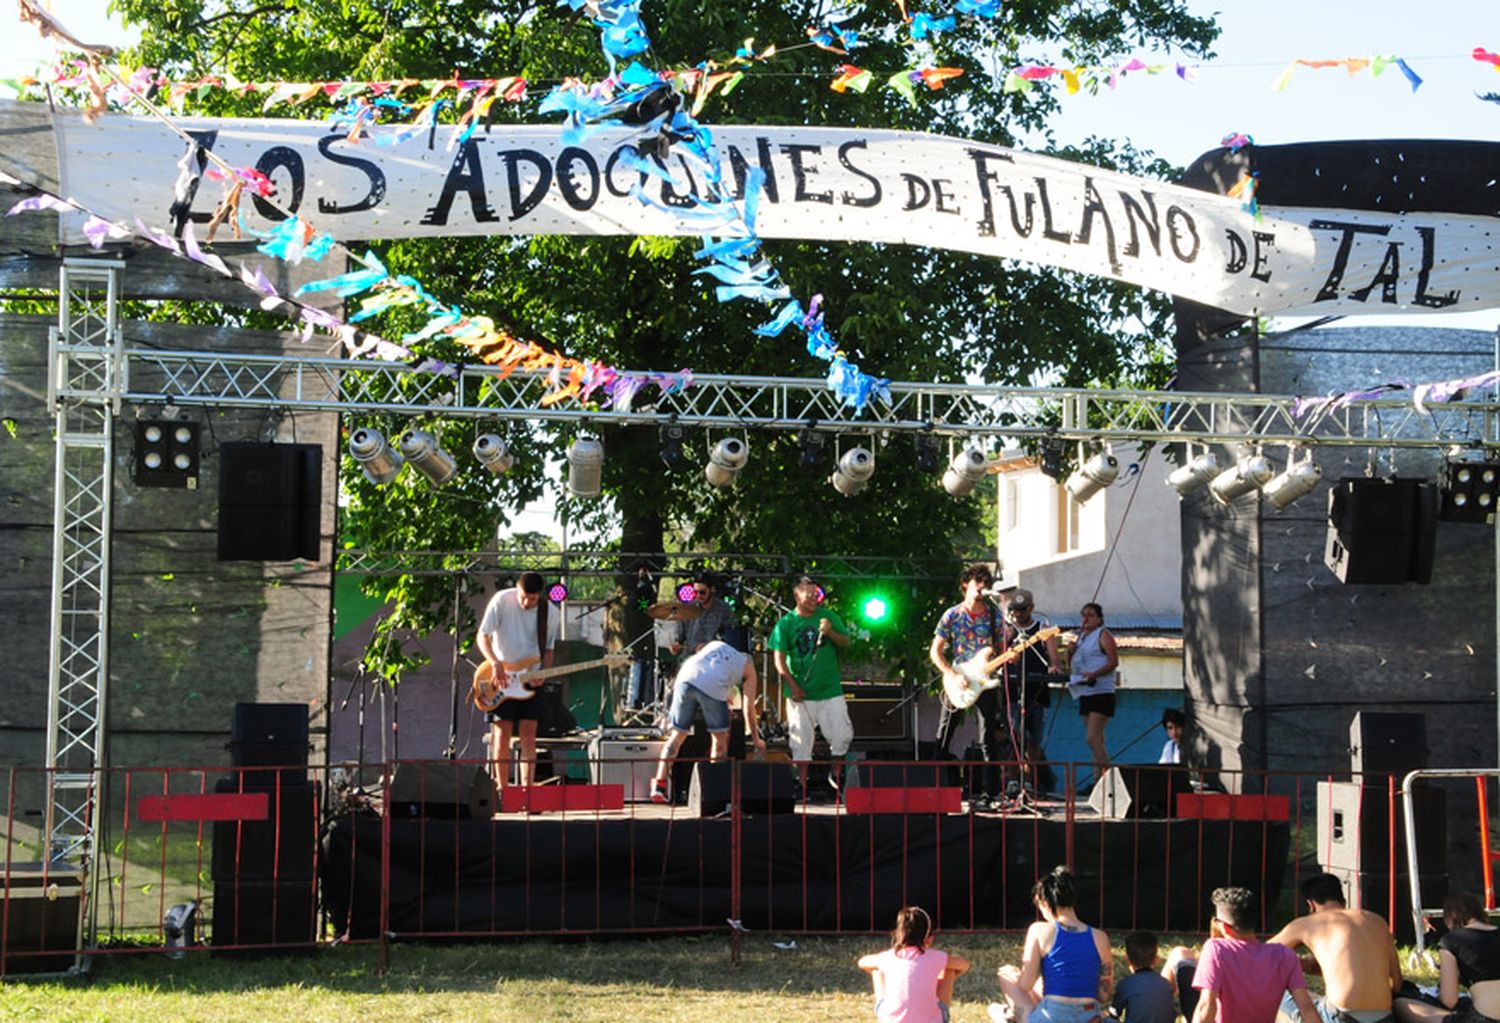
{"x":231,"y":860}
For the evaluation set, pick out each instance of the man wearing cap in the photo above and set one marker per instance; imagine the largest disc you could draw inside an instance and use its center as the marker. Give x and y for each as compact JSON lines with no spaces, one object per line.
{"x":805,"y":643}
{"x":1026,"y":687}
{"x":717,"y":617}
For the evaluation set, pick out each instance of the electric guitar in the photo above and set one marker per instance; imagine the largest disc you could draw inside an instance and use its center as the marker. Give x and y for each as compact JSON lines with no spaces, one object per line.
{"x":970,"y":678}
{"x":523,"y":678}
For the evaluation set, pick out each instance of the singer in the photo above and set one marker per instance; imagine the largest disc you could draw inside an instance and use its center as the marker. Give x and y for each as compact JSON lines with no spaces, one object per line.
{"x":805,"y":643}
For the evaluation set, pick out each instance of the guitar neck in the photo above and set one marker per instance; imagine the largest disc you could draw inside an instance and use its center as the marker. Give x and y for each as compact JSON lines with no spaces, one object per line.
{"x":564,"y":669}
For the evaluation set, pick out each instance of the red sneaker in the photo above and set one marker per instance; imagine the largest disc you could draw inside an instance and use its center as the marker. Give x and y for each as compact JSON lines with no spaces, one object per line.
{"x":658,"y":790}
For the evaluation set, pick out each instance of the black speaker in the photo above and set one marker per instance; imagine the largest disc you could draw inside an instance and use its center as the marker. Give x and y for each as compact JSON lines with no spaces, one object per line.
{"x":281,"y":847}
{"x":270,"y":501}
{"x":873,"y":774}
{"x":441,"y":791}
{"x":1371,"y":892}
{"x":1382,"y":531}
{"x":1387,"y":743}
{"x":264,"y":913}
{"x":269,"y":735}
{"x":764,"y":787}
{"x":1153,"y":790}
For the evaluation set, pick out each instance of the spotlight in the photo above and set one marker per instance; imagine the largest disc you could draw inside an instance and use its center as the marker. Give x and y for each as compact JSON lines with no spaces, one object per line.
{"x":585,"y":467}
{"x":1299,"y":480}
{"x":1249,"y":473}
{"x":928,"y":457}
{"x":1470,"y":491}
{"x":853,"y":472}
{"x":1093,"y":476}
{"x":965,"y":471}
{"x":420,"y":448}
{"x":1054,"y":463}
{"x":725,"y":461}
{"x":686,"y":594}
{"x":166,"y":454}
{"x":811,"y":444}
{"x":557,"y":592}
{"x":381,"y":462}
{"x":494,"y":454}
{"x":671,"y":437}
{"x":1195,"y":475}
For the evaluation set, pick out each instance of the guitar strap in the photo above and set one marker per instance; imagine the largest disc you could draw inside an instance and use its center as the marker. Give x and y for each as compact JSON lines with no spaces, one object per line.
{"x":541,"y":630}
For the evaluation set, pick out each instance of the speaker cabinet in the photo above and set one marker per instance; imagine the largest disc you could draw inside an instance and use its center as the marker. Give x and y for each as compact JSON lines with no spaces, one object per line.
{"x":1354,"y":828}
{"x":764,"y":788}
{"x":627,"y":761}
{"x":1382,"y":531}
{"x":270,"y":501}
{"x":1371,"y":891}
{"x":279,"y":848}
{"x":41,"y":917}
{"x":441,"y":791}
{"x":269,"y":735}
{"x":1387,"y":743}
{"x":877,"y":711}
{"x":264,"y":913}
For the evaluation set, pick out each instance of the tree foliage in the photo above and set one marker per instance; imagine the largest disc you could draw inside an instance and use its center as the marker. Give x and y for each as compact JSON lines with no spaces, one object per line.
{"x":902,"y":312}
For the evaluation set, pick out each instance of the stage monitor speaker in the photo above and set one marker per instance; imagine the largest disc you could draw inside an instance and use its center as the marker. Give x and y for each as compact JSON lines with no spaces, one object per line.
{"x":1110,"y":798}
{"x":281,"y":847}
{"x":41,"y":917}
{"x":1354,"y":830}
{"x":270,"y":501}
{"x":441,"y":791}
{"x":1382,"y":531}
{"x":1387,"y":743}
{"x":264,"y":913}
{"x":1153,"y":790}
{"x":765,"y":788}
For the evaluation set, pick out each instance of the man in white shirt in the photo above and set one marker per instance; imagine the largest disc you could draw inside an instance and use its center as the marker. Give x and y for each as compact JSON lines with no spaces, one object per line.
{"x":704,"y":682}
{"x":509,"y":640}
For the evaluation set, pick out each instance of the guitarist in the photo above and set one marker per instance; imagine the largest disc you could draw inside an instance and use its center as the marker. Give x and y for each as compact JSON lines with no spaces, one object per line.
{"x":1029,"y":696}
{"x":515,"y":631}
{"x":962,"y":632}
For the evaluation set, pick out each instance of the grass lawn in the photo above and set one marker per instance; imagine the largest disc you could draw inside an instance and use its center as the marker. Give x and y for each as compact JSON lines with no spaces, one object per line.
{"x":672,"y":980}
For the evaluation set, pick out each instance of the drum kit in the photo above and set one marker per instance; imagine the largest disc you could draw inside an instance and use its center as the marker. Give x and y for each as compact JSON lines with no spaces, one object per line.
{"x":653,"y":690}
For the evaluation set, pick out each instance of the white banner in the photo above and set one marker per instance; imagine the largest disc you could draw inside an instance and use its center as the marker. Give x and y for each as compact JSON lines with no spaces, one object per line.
{"x":842,"y":184}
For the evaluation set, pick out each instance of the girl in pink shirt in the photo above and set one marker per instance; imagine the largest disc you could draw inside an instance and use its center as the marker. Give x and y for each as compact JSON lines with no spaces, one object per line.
{"x":913,"y":981}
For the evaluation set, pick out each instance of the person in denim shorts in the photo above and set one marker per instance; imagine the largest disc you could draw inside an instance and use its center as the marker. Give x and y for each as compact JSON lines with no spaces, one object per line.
{"x":703,"y":684}
{"x":1067,"y":968}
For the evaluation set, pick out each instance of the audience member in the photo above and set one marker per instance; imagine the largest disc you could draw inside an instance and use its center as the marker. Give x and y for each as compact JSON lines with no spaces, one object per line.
{"x":1145,"y":996}
{"x":1067,"y":968}
{"x":1468,"y":955}
{"x":1351,"y":948}
{"x":1239,"y":978}
{"x":913,"y":981}
{"x":1173,"y":721}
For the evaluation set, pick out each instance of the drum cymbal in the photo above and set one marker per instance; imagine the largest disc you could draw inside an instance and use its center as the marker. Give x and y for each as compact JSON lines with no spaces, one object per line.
{"x":674,"y":611}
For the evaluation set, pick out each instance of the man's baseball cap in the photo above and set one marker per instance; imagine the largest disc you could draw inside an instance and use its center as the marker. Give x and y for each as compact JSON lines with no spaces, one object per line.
{"x":1021,"y":599}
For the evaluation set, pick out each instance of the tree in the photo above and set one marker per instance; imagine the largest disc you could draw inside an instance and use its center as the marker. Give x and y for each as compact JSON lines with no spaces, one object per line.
{"x":905,"y":313}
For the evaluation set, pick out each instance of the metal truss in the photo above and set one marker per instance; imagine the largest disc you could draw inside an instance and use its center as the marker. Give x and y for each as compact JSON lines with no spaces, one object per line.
{"x":581,"y":563}
{"x":84,"y":383}
{"x":770,"y":403}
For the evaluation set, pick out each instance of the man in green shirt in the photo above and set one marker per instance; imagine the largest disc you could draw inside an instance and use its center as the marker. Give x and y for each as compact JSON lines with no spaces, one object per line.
{"x":805,"y":643}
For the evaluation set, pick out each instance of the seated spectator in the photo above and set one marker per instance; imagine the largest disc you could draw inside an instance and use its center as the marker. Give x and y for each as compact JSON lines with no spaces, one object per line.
{"x":1351,"y":948}
{"x":1468,"y":955}
{"x":1067,"y":968}
{"x":1145,"y":996}
{"x":1240,"y":979}
{"x":913,"y":981}
{"x":1174,"y":721}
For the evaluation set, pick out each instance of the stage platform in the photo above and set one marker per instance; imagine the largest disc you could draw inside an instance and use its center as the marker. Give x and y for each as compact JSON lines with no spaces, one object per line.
{"x":817,"y":869}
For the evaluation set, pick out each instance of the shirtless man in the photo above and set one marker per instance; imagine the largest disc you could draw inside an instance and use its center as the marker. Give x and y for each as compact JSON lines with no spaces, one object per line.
{"x":1351,"y":948}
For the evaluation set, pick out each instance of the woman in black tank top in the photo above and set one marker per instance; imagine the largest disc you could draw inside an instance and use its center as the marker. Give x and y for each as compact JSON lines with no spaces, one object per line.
{"x":1469,"y":956}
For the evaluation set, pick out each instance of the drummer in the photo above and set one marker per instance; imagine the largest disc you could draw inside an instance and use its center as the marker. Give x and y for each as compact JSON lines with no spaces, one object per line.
{"x":713,"y":619}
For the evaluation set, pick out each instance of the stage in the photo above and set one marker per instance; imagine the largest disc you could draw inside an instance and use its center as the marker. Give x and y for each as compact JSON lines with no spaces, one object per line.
{"x":817,"y":868}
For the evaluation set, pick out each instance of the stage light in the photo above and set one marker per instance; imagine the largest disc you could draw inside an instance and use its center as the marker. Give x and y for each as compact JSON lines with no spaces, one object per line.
{"x":725,"y":461}
{"x":557,"y":592}
{"x":1470,"y":491}
{"x":811,"y":446}
{"x":585,"y":467}
{"x":1249,"y":473}
{"x":876,"y":607}
{"x":686,"y":593}
{"x":421,"y":451}
{"x":1195,"y":475}
{"x":1299,"y":480}
{"x":853,"y":471}
{"x":928,"y":453}
{"x":671,"y":437}
{"x":494,"y":454}
{"x":965,"y":471}
{"x":1054,"y":461}
{"x":1093,"y":476}
{"x":380,"y":462}
{"x":166,"y":454}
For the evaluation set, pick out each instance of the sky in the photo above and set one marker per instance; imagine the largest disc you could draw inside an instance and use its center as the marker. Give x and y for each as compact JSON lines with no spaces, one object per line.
{"x":1180,"y":120}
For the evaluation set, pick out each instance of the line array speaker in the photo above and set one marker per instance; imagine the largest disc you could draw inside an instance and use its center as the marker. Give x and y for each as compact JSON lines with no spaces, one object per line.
{"x":270,"y":501}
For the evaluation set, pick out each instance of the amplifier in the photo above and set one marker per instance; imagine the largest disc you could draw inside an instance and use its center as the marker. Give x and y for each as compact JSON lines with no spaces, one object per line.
{"x":876,"y":711}
{"x":627,"y":762}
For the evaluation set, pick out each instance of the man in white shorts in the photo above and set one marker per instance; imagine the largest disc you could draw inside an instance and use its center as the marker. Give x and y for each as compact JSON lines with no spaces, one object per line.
{"x":805,"y":643}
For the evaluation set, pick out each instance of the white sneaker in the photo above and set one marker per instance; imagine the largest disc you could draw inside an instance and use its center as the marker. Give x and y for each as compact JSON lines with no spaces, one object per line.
{"x":1000,"y":1012}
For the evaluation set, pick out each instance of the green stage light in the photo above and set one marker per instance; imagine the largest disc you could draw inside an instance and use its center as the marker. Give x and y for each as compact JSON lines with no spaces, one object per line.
{"x":874,"y":609}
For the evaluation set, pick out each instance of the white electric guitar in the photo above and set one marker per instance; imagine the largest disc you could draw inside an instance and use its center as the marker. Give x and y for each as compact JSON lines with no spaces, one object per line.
{"x":523,"y":679}
{"x":970,"y":678}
